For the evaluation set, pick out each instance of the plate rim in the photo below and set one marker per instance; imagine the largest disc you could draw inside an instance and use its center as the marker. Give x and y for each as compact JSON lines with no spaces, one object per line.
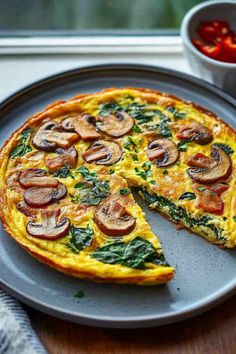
{"x":124,"y":321}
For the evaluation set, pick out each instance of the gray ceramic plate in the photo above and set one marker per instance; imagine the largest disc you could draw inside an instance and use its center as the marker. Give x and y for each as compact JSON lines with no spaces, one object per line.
{"x":205,"y":275}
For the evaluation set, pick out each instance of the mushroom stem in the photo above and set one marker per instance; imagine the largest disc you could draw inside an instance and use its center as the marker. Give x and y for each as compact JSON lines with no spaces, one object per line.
{"x":49,"y":228}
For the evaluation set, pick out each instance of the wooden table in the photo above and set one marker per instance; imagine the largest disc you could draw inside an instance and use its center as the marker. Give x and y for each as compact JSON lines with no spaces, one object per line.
{"x":212,"y":333}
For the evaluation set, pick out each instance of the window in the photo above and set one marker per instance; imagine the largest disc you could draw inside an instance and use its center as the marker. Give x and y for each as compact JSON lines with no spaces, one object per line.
{"x":18,"y":17}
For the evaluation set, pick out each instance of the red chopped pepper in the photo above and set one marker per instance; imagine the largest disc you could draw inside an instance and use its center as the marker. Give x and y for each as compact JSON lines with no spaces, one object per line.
{"x":219,"y":188}
{"x":217,"y":41}
{"x":210,"y":202}
{"x":209,"y":198}
{"x":212,"y":50}
{"x":229,"y":48}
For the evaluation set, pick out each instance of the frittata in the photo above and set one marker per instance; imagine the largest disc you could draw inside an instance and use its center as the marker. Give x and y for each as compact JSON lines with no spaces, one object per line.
{"x":67,"y":176}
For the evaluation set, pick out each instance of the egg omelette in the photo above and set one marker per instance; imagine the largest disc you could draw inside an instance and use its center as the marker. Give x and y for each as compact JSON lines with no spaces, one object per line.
{"x":68,"y":173}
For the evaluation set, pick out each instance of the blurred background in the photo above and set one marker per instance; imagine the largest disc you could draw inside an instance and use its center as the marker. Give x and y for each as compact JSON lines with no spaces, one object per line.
{"x":86,"y":16}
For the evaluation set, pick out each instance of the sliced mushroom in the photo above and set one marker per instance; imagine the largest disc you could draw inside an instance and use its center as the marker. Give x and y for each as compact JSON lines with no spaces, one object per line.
{"x":113,"y":219}
{"x":195,"y":131}
{"x":26,"y":209}
{"x":49,"y":228}
{"x":115,"y":125}
{"x":48,"y":137}
{"x":220,"y":170}
{"x":201,"y":161}
{"x":163,"y":152}
{"x":35,"y":177}
{"x":82,"y":124}
{"x":43,"y":196}
{"x":103,"y":152}
{"x":63,"y":157}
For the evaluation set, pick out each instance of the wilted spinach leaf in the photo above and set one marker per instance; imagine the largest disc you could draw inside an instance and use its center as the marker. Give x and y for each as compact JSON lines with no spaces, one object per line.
{"x":130,"y":144}
{"x":133,"y":254}
{"x":81,"y":237}
{"x":63,"y":172}
{"x":176,"y":113}
{"x":22,"y":148}
{"x":91,"y":191}
{"x":164,"y":124}
{"x":88,"y":176}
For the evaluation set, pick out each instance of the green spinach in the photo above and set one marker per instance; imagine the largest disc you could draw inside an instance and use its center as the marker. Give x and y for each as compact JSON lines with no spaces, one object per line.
{"x":23,"y":147}
{"x":81,"y":237}
{"x":176,"y":113}
{"x":130,"y":144}
{"x":137,"y":129}
{"x":63,"y":172}
{"x":134,"y":254}
{"x":91,"y":191}
{"x":179,"y":213}
{"x":145,"y":172}
{"x":164,"y":128}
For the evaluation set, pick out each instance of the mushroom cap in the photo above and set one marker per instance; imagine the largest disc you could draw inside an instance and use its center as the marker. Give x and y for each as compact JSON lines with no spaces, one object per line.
{"x":61,"y":158}
{"x":113,"y":219}
{"x":115,"y":125}
{"x":84,"y":125}
{"x":43,"y":196}
{"x":220,"y":170}
{"x":103,"y":152}
{"x":163,"y":152}
{"x":35,"y":177}
{"x":48,"y":137}
{"x":49,"y":228}
{"x":195,"y":131}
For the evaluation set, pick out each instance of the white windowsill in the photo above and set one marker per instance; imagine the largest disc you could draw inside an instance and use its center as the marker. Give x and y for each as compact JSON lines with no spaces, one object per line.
{"x":86,"y":44}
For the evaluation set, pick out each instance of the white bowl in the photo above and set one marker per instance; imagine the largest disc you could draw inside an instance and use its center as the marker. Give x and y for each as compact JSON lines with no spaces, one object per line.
{"x":220,"y":73}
